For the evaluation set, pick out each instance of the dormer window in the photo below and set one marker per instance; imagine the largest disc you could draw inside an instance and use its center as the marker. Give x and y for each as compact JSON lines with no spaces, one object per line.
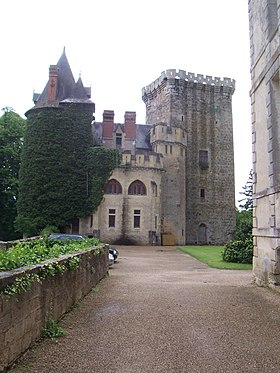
{"x":118,"y":139}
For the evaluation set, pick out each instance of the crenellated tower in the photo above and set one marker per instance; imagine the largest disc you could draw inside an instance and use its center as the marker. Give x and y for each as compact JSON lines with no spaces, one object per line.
{"x":191,"y":118}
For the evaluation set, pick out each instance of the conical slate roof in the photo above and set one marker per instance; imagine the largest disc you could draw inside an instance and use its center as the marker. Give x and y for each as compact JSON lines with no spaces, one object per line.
{"x":67,"y":90}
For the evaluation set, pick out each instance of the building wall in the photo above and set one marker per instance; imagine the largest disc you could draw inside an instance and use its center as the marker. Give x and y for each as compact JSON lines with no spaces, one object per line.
{"x":265,"y":100}
{"x":149,"y":170}
{"x":200,"y":108}
{"x":23,"y":316}
{"x":171,"y":142}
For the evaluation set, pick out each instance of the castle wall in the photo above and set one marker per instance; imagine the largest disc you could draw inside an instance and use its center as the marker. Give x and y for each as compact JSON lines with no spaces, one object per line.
{"x":200,"y":108}
{"x":148,"y":170}
{"x":171,"y":142}
{"x":264,"y":18}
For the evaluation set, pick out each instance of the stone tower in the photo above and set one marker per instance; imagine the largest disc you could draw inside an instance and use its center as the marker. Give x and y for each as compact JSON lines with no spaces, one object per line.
{"x":191,"y":117}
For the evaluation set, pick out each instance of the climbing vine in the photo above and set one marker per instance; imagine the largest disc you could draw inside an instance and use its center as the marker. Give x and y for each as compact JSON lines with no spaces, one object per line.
{"x":38,"y":251}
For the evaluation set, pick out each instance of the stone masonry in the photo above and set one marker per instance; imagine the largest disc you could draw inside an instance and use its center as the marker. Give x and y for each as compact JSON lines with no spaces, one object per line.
{"x":264,"y":16}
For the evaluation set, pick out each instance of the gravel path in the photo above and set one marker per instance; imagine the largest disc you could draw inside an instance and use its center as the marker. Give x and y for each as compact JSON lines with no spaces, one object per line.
{"x":161,"y":311}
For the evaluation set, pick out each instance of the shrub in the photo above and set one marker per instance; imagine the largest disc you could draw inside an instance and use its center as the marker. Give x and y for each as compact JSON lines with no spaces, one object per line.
{"x":238,"y":251}
{"x":49,"y":230}
{"x":37,"y":251}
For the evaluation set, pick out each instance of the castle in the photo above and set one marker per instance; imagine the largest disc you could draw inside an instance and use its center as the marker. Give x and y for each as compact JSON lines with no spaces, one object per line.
{"x":175,"y":184}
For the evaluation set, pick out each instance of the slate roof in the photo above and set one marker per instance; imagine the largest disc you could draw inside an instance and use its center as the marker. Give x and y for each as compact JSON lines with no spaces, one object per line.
{"x":67,"y":89}
{"x":143,"y":136}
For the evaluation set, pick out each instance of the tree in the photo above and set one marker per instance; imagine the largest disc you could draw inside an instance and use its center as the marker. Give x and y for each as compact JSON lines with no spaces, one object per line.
{"x":240,"y":249}
{"x":246,"y":203}
{"x":244,"y":217}
{"x":56,"y":174}
{"x":12,"y":128}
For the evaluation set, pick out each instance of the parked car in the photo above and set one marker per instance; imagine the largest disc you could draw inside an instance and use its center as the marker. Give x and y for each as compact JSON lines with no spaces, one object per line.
{"x":66,"y":236}
{"x":110,"y":259}
{"x":114,"y":252}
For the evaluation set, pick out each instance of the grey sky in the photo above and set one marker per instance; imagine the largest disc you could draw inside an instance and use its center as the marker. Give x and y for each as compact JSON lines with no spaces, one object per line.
{"x":121,"y":46}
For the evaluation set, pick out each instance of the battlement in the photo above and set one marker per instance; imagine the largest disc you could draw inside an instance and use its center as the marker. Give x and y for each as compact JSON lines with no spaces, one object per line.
{"x":130,"y":160}
{"x":188,"y":77}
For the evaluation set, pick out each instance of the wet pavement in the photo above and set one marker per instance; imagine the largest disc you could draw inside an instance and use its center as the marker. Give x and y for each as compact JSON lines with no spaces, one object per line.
{"x":161,"y":311}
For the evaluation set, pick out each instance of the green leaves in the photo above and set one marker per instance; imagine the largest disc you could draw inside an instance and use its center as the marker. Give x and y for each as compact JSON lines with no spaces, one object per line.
{"x":53,"y":175}
{"x":12,"y":128}
{"x":28,"y":253}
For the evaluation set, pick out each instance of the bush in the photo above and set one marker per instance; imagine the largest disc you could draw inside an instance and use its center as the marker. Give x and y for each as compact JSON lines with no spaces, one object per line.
{"x":37,"y":251}
{"x":238,"y":251}
{"x":49,"y":230}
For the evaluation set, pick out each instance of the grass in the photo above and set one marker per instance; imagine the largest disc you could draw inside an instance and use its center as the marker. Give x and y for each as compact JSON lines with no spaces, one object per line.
{"x":212,"y":256}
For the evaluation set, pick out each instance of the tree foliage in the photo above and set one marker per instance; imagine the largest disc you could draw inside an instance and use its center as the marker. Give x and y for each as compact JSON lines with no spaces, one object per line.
{"x":56,"y":176}
{"x":240,"y":249}
{"x":101,"y":162}
{"x":246,"y":203}
{"x":12,"y":128}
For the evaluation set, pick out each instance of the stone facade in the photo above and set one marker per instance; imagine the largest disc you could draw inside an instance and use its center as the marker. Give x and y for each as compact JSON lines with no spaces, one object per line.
{"x":23,"y":316}
{"x":176,"y":181}
{"x":184,"y":152}
{"x":264,"y":18}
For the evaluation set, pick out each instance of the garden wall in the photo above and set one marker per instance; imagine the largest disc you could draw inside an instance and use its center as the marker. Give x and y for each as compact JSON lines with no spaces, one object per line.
{"x":23,"y":316}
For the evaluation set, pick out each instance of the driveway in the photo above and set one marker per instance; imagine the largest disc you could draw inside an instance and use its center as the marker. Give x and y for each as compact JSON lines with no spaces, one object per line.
{"x":161,"y":311}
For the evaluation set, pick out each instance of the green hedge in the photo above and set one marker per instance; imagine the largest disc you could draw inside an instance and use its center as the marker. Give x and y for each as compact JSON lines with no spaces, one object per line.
{"x":238,"y":251}
{"x":37,"y":251}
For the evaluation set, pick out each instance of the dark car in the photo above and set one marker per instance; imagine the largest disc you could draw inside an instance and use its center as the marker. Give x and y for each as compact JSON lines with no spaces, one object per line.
{"x":114,"y":252}
{"x":66,"y":236}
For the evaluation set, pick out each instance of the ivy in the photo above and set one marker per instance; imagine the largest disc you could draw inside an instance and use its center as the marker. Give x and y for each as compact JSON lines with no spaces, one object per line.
{"x":53,"y":183}
{"x":38,"y":251}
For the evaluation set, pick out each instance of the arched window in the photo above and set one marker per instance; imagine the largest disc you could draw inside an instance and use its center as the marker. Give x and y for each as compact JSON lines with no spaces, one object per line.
{"x":113,"y":187}
{"x":137,"y":188}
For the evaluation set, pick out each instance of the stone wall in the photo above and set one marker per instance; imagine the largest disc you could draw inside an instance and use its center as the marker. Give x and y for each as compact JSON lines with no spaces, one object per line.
{"x":23,"y":316}
{"x":264,"y":18}
{"x":200,"y":108}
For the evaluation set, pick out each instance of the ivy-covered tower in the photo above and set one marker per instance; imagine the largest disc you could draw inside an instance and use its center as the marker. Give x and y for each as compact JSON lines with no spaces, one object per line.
{"x":54,"y":181}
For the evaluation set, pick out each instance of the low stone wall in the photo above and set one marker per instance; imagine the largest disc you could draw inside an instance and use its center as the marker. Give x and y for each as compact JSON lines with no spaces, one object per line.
{"x":23,"y":316}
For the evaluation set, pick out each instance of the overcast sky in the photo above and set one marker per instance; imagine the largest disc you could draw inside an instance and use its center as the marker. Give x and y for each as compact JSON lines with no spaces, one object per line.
{"x":120,"y":46}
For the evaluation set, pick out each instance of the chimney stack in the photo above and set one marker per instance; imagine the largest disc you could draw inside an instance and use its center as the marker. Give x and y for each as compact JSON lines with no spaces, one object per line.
{"x":108,"y":124}
{"x":130,"y":125}
{"x":52,"y":85}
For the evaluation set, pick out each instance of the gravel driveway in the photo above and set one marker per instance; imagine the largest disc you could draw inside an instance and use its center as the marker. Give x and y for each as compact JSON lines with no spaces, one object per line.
{"x":161,"y":311}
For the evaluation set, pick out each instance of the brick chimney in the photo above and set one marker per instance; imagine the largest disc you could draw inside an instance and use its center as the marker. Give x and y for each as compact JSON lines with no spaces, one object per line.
{"x":52,"y":85}
{"x":130,"y":125}
{"x":108,"y":124}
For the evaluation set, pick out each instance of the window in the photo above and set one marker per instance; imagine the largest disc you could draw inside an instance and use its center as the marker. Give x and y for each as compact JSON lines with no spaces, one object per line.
{"x":170,"y":149}
{"x":202,"y":193}
{"x":137,"y":188}
{"x":154,"y":188}
{"x":112,"y":218}
{"x":166,"y":149}
{"x":156,"y":221}
{"x":91,"y":221}
{"x":136,"y":218}
{"x":113,"y":187}
{"x":203,"y":159}
{"x":118,"y":139}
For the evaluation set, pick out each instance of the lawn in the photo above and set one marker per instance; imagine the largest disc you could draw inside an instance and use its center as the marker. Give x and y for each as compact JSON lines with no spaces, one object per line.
{"x":212,"y":256}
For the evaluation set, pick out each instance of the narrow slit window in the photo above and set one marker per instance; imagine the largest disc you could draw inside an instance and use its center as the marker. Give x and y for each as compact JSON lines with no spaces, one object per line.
{"x":137,"y":218}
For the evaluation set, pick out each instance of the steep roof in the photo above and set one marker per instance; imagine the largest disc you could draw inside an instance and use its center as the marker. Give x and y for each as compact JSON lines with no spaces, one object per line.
{"x":67,"y":89}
